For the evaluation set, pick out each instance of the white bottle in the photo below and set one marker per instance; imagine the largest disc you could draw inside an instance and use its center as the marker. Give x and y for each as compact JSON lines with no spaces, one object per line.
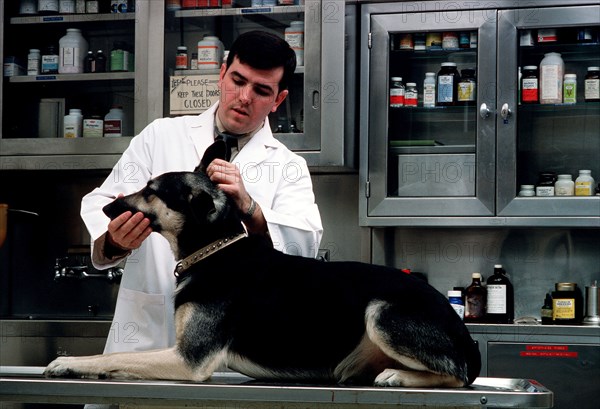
{"x":73,"y":124}
{"x":73,"y":49}
{"x":584,"y":184}
{"x":294,"y":35}
{"x":429,"y":90}
{"x":551,"y":71}
{"x":66,"y":6}
{"x":34,"y":59}
{"x":564,"y":186}
{"x":210,"y":53}
{"x":114,"y":121}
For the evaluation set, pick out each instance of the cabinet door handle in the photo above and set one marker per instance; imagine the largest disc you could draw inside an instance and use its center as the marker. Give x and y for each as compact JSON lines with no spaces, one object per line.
{"x":505,"y":112}
{"x":484,"y":111}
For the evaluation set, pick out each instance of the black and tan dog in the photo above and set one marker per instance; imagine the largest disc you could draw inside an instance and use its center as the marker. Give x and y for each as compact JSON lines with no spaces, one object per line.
{"x":273,"y":316}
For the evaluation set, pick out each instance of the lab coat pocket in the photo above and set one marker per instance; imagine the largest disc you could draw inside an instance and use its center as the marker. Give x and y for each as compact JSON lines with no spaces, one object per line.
{"x":139,"y":323}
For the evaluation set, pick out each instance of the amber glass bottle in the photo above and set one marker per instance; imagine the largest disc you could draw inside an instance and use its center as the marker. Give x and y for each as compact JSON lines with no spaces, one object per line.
{"x":475,"y":300}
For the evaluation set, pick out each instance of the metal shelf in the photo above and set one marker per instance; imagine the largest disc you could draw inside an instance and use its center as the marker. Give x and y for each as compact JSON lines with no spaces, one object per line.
{"x":234,"y":11}
{"x":72,"y":18}
{"x":101,"y":76}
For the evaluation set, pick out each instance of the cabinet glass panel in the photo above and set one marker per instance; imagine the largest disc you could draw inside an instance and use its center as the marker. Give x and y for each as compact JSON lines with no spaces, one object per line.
{"x":36,"y":96}
{"x":430,"y":153}
{"x":191,"y":87}
{"x":557,"y":117}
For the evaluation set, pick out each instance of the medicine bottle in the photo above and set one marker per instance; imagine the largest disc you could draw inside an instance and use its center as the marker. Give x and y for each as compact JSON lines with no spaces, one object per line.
{"x":114,"y":121}
{"x":294,"y":35}
{"x":529,"y":85}
{"x":100,"y":61}
{"x":397,"y":92}
{"x":49,"y":60}
{"x":567,"y":304}
{"x":447,"y":84}
{"x":429,"y":90}
{"x":564,"y":186}
{"x":546,"y":311}
{"x":194,"y":61}
{"x":570,"y":89}
{"x":500,"y":298}
{"x":181,"y":58}
{"x":210,"y":53}
{"x":411,"y":94}
{"x":89,"y":64}
{"x":455,"y":298}
{"x":584,"y":184}
{"x":552,"y":70}
{"x":592,"y":84}
{"x":545,"y":184}
{"x":66,"y":6}
{"x":119,"y":57}
{"x":34,"y":59}
{"x":467,"y":88}
{"x":475,"y":300}
{"x":72,"y":51}
{"x":48,"y":6}
{"x":73,"y":124}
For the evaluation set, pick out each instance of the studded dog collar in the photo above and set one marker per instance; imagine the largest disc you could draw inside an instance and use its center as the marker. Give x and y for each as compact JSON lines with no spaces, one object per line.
{"x":206,"y":251}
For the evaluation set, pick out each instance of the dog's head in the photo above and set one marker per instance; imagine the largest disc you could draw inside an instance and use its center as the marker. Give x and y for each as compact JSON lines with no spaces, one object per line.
{"x":185,"y":207}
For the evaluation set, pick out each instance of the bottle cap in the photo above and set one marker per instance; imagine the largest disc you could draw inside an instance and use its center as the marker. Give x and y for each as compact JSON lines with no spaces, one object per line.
{"x":497,"y":265}
{"x":476,"y":275}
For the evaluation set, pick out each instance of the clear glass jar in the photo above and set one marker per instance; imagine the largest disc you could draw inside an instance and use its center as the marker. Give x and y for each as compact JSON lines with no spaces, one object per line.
{"x":564,"y":186}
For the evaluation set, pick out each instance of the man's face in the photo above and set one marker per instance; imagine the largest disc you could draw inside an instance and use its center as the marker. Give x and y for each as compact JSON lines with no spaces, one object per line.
{"x":248,"y":95}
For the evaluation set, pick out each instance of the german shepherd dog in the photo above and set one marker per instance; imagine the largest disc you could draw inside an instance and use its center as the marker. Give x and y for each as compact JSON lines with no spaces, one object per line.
{"x":239,"y":303}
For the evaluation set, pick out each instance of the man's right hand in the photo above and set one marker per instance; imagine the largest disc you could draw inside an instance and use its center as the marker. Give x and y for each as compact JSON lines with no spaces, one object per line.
{"x":128,"y":231}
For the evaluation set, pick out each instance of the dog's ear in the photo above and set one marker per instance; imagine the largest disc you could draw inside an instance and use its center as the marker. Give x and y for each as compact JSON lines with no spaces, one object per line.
{"x":218,"y":150}
{"x":208,"y":206}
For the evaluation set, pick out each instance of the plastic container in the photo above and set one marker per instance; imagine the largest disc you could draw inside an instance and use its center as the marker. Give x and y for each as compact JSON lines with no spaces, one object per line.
{"x":447,"y":84}
{"x":450,"y":40}
{"x":210,"y":53}
{"x":72,"y":51}
{"x":73,"y":124}
{"x":294,"y":35}
{"x":93,"y":128}
{"x":92,"y":7}
{"x":397,"y":92}
{"x":564,"y":186}
{"x":429,"y":90}
{"x":114,"y":122}
{"x":119,"y":57}
{"x":570,"y":89}
{"x":527,"y":191}
{"x":34,"y":60}
{"x":584,"y":184}
{"x":552,"y":70}
{"x":48,"y":6}
{"x":455,"y":298}
{"x":592,"y":84}
{"x":66,"y":7}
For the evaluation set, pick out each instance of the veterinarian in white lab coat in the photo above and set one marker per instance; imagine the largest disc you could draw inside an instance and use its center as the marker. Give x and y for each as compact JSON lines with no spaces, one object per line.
{"x":275,"y":197}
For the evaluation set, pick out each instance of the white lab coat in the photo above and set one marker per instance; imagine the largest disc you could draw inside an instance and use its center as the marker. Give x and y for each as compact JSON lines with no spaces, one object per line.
{"x":275,"y":177}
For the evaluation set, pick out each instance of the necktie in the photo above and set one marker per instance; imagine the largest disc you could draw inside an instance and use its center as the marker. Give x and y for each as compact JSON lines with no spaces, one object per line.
{"x":231,"y":142}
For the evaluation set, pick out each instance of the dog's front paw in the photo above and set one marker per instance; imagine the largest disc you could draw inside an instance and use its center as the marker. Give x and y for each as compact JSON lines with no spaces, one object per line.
{"x":71,"y":367}
{"x":390,"y":377}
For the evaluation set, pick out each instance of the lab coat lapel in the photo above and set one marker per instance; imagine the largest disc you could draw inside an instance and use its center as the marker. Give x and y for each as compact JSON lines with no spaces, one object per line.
{"x":201,"y":130}
{"x":255,"y":151}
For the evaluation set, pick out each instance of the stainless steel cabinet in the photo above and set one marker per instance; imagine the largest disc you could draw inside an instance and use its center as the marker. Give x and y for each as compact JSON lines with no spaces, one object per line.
{"x":462,"y":165}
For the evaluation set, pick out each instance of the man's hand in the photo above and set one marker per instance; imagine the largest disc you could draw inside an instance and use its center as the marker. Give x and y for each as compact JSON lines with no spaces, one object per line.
{"x":228,"y":178}
{"x":128,"y":231}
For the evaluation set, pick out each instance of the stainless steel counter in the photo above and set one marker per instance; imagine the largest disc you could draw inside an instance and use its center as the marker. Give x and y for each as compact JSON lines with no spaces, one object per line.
{"x":232,"y":390}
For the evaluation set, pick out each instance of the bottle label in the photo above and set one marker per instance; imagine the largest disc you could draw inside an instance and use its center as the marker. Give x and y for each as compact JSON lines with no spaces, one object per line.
{"x":181,"y":61}
{"x":396,"y":97}
{"x":563,"y":308}
{"x":466,"y":91}
{"x":410,"y":98}
{"x":118,"y":60}
{"x":207,"y":56}
{"x":93,"y":128}
{"x":592,"y":89}
{"x":544,"y":191}
{"x":570,"y":92}
{"x":445,"y":88}
{"x":551,"y":82}
{"x":33,"y":66}
{"x":429,"y":95}
{"x":460,"y":309}
{"x":295,"y":39}
{"x":112,"y":127}
{"x":69,"y":56}
{"x":496,"y":299}
{"x":49,"y":64}
{"x":529,"y":90}
{"x":583,"y":188}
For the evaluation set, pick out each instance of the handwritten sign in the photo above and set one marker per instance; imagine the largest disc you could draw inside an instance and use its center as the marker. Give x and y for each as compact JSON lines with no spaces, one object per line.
{"x":193,"y":94}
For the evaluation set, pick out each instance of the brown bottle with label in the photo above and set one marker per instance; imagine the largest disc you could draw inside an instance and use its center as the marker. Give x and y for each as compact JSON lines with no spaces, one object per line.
{"x":475,"y":300}
{"x":500,"y":298}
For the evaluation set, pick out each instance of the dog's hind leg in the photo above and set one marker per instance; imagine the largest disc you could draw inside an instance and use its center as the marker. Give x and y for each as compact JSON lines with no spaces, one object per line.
{"x":424,"y":355}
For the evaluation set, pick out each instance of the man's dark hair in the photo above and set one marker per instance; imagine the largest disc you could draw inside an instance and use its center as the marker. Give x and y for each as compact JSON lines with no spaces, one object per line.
{"x":264,"y":51}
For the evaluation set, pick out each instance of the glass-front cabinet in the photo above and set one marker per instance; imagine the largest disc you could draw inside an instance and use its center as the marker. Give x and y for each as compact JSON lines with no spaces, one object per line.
{"x":448,"y":135}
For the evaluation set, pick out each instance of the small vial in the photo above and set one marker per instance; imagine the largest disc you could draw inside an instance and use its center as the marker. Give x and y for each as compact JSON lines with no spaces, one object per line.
{"x":181,"y":58}
{"x":194,"y":61}
{"x":34,"y":59}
